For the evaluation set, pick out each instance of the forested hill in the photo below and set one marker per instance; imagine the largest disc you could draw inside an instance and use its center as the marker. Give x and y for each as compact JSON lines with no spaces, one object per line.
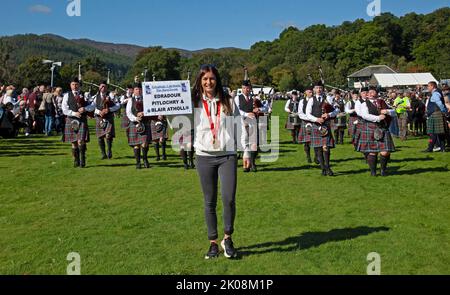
{"x":410,"y":43}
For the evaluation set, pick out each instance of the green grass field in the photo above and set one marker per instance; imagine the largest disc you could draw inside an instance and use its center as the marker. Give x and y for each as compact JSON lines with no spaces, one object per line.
{"x":290,"y":220}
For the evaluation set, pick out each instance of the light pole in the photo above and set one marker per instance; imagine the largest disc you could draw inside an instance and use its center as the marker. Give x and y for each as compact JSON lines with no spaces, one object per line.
{"x":54,"y":64}
{"x":145,"y":74}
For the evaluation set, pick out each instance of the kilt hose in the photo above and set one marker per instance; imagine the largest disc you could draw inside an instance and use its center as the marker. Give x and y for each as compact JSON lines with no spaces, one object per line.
{"x":303,"y":136}
{"x":316,"y":138}
{"x":135,"y":138}
{"x":436,"y":123}
{"x":109,"y":130}
{"x":367,"y":142}
{"x":81,"y":135}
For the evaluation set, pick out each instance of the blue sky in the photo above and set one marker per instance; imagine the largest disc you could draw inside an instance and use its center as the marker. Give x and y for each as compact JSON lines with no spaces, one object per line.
{"x":189,"y":24}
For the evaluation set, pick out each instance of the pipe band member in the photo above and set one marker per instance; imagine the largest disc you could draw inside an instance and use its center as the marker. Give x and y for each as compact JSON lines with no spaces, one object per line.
{"x":105,"y":107}
{"x":320,"y":112}
{"x":76,"y":130}
{"x":139,"y":132}
{"x":375,"y":136}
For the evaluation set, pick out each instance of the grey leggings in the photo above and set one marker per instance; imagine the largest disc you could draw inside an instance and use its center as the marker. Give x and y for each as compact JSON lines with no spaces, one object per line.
{"x":210,"y":169}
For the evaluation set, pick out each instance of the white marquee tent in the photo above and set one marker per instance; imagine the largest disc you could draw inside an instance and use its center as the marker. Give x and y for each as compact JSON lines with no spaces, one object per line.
{"x":395,"y":80}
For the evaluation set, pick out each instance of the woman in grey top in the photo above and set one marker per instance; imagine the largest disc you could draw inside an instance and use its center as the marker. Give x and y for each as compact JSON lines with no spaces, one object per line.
{"x":216,"y":156}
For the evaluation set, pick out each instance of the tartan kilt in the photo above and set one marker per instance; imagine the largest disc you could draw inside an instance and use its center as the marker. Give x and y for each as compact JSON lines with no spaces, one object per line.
{"x":158,"y":135}
{"x":303,"y":136}
{"x":110,"y":128}
{"x":125,"y":122}
{"x":367,"y":142}
{"x":135,"y":138}
{"x":317,"y":140}
{"x":340,"y":123}
{"x":436,"y":124}
{"x":290,"y":126}
{"x":81,"y":135}
{"x":351,"y":126}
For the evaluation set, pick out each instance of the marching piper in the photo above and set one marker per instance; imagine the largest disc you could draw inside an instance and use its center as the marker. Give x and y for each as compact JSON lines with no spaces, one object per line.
{"x":320,"y":112}
{"x":123,"y":104}
{"x":160,"y":135}
{"x":105,"y":107}
{"x":247,"y":111}
{"x":293,"y":123}
{"x":304,"y":136}
{"x":350,"y":109}
{"x":341,"y":118}
{"x":139,"y":131}
{"x":76,"y":131}
{"x":375,"y":137}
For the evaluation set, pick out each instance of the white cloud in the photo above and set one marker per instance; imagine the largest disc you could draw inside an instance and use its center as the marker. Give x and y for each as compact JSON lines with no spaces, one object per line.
{"x":40,"y":9}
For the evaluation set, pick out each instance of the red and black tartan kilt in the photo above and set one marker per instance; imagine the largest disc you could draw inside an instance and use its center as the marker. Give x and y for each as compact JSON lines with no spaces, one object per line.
{"x":72,"y":136}
{"x":158,"y":135}
{"x":110,"y":128}
{"x":367,"y":142}
{"x":290,"y":126}
{"x":317,"y":140}
{"x":351,"y":125}
{"x":303,"y":136}
{"x":134,"y":138}
{"x":125,"y":122}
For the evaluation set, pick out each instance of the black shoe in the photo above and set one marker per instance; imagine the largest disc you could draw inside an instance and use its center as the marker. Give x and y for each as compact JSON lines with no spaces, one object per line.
{"x":246,"y":170}
{"x":254,"y":169}
{"x":324,"y":172}
{"x":186,"y":166}
{"x":138,"y":166}
{"x":375,"y":174}
{"x":213,"y":251}
{"x":104,"y":157}
{"x":110,"y":155}
{"x":146,"y":164}
{"x":158,"y":158}
{"x":228,"y":248}
{"x":316,"y":161}
{"x":330,"y":172}
{"x":164,"y":157}
{"x":383,"y":173}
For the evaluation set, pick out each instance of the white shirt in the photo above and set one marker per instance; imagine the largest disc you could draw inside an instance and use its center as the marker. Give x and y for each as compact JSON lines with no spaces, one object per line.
{"x":309,"y":106}
{"x":226,"y":137}
{"x":236,"y":101}
{"x":364,"y":113}
{"x":65,"y":106}
{"x":286,"y":107}
{"x":130,"y":114}
{"x":348,"y":107}
{"x":113,"y":109}
{"x":301,"y":114}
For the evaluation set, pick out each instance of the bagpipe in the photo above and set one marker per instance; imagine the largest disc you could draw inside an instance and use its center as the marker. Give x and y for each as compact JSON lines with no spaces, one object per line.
{"x":81,"y":103}
{"x":105,"y":112}
{"x":326,"y":109}
{"x":140,"y":126}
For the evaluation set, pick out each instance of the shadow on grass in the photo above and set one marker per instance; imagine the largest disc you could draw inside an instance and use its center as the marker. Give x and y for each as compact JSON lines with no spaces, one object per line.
{"x":310,"y":240}
{"x":283,"y":169}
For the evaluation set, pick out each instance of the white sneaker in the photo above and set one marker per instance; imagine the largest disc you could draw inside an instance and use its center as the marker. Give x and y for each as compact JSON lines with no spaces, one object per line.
{"x":437,"y":149}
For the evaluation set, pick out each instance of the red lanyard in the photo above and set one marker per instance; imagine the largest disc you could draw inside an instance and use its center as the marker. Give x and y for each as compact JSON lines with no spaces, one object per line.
{"x":213,"y":127}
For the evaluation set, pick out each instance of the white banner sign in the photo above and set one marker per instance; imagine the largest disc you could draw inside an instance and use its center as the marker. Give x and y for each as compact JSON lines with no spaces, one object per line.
{"x":167,"y":98}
